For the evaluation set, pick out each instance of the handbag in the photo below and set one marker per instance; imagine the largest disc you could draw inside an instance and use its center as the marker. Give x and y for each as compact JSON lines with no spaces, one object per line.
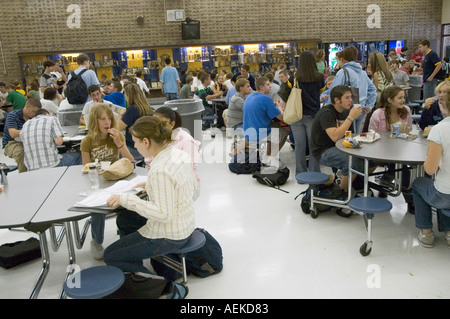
{"x":120,"y":169}
{"x":294,"y":105}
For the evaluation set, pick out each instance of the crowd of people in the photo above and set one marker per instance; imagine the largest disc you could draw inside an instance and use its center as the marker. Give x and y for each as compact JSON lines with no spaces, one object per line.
{"x":122,"y":124}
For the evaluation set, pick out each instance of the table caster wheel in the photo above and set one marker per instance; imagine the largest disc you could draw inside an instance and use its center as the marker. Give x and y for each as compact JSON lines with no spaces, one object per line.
{"x":365,"y":249}
{"x":314,"y":213}
{"x":305,"y":207}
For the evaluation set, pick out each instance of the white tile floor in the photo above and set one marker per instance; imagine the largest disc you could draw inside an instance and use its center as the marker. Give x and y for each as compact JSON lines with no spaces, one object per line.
{"x":272,"y":250}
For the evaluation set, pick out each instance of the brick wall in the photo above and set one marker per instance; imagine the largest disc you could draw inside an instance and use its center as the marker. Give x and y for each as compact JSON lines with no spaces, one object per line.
{"x":31,"y":26}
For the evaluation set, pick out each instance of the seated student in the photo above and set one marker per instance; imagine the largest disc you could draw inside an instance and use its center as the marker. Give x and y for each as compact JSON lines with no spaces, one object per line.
{"x":115,"y":95}
{"x":259,"y":111}
{"x":14,"y":98}
{"x":181,"y":139}
{"x":104,"y":143}
{"x":47,"y":102}
{"x":40,"y":137}
{"x":435,"y":110}
{"x":219,"y":85}
{"x":428,"y":193}
{"x":206,"y":94}
{"x":329,"y":126}
{"x":325,"y":96}
{"x":11,"y":134}
{"x":137,"y":107}
{"x":285,"y":86}
{"x":185,"y":92}
{"x":235,"y":108}
{"x":96,"y":96}
{"x":232,"y":91}
{"x":164,"y":222}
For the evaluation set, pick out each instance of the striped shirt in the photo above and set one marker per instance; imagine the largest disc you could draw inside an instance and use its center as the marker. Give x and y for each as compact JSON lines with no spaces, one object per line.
{"x":13,"y":120}
{"x":171,"y":185}
{"x":38,"y":135}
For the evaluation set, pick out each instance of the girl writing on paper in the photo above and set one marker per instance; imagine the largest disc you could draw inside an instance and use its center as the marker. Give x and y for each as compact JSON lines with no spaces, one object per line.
{"x":168,"y":217}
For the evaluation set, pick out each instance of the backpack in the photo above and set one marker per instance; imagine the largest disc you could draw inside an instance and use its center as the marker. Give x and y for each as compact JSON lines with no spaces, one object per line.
{"x":244,"y":163}
{"x":77,"y":91}
{"x":13,"y":254}
{"x":203,"y":262}
{"x":274,"y":180}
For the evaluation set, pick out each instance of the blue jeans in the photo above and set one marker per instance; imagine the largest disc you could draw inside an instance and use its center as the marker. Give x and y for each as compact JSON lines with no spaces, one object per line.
{"x":171,"y":96}
{"x":302,"y":138}
{"x":333,"y":157}
{"x":70,"y":159}
{"x":428,"y":89}
{"x":425,"y":196}
{"x":98,"y":227}
{"x":129,"y":252}
{"x":358,"y":124}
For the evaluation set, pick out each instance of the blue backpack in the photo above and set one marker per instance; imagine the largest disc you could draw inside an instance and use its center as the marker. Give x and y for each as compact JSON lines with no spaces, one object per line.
{"x":245,"y":163}
{"x":203,"y":262}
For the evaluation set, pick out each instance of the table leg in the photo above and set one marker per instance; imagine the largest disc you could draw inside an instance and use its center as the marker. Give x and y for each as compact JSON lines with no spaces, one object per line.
{"x":45,"y":265}
{"x":71,"y":250}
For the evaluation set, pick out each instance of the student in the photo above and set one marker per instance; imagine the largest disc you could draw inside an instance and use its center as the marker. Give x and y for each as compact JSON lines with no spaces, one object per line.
{"x":170,"y":81}
{"x":47,"y":101}
{"x":235,"y":108}
{"x":428,"y":193}
{"x":15,"y":98}
{"x":435,"y":110}
{"x":47,"y":80}
{"x":310,"y":81}
{"x":285,"y":86}
{"x":431,"y":64}
{"x":167,"y":219}
{"x":96,"y":97}
{"x":115,"y":95}
{"x":205,"y":93}
{"x":104,"y":143}
{"x":89,"y":76}
{"x":13,"y":125}
{"x":358,"y":79}
{"x":40,"y":137}
{"x":245,"y":72}
{"x":329,"y":126}
{"x":185,"y":92}
{"x":381,"y":75}
{"x":137,"y":107}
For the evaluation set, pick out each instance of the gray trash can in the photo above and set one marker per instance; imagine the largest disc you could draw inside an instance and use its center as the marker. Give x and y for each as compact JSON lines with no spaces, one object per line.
{"x":190,"y":110}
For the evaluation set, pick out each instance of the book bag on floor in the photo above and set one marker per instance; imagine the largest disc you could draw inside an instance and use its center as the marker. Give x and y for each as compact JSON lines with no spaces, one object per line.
{"x":203,"y":262}
{"x":76,"y":90}
{"x":17,"y":253}
{"x":244,"y":163}
{"x":275,"y":179}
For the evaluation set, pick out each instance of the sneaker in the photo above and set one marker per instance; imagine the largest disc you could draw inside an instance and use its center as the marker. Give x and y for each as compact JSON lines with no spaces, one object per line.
{"x":426,"y":240}
{"x":97,"y":250}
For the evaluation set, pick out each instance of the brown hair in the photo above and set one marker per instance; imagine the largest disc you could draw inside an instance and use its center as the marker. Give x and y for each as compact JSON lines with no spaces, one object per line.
{"x":94,"y":115}
{"x":241,"y":83}
{"x":152,"y":128}
{"x":260,"y":82}
{"x":350,"y":54}
{"x":390,"y":93}
{"x":378,"y":64}
{"x":135,"y":96}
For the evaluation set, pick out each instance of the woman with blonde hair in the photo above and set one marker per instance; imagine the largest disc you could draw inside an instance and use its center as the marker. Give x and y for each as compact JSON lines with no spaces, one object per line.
{"x":163,"y":223}
{"x":381,"y":75}
{"x":103,"y":143}
{"x":138,"y":106}
{"x":320,"y":62}
{"x":435,"y":110}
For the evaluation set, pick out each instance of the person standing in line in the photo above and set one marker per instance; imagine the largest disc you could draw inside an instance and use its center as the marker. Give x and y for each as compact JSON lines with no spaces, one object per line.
{"x":431,"y":65}
{"x":310,"y":81}
{"x":170,"y":81}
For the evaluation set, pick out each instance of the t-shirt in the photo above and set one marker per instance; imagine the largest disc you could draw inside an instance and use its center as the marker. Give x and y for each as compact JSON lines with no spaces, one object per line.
{"x":14,"y":120}
{"x":259,"y":110}
{"x":439,"y":134}
{"x":185,"y":91}
{"x":17,"y":100}
{"x":169,"y":76}
{"x":400,"y":77}
{"x":203,"y":92}
{"x":89,"y":77}
{"x":51,"y":107}
{"x":117,"y":98}
{"x":430,"y":62}
{"x":326,"y":118}
{"x":106,"y":150}
{"x":130,"y":116}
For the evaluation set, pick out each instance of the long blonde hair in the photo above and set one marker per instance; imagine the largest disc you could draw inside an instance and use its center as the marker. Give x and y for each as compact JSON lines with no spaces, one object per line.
{"x":136,"y":97}
{"x":95,"y":113}
{"x":378,"y":63}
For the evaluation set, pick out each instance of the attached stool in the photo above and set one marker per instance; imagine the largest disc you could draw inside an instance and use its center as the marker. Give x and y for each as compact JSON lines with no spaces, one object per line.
{"x":368,"y":207}
{"x":196,"y":241}
{"x":212,"y":119}
{"x":414,"y":107}
{"x":94,"y":283}
{"x":313,"y":179}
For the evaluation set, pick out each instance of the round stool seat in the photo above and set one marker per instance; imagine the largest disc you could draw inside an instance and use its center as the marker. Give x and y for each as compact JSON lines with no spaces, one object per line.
{"x":370,"y":205}
{"x":413,"y":105}
{"x":196,"y":241}
{"x":419,"y":101}
{"x":95,"y":282}
{"x":312,"y":178}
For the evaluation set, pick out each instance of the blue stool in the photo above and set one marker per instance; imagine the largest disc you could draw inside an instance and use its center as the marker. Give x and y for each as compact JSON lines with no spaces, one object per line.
{"x":414,"y":107}
{"x":416,"y":118}
{"x":94,"y":283}
{"x":368,"y":207}
{"x":313,"y":179}
{"x":196,"y":241}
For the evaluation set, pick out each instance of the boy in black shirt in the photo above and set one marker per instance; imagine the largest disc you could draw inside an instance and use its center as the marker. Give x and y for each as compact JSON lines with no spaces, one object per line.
{"x":329,"y":126}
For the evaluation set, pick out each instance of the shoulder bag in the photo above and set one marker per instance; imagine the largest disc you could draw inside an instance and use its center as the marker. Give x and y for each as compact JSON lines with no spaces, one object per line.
{"x":294,"y":105}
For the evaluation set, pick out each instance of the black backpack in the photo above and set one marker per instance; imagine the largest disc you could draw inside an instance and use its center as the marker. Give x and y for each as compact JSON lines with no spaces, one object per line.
{"x":77,"y":91}
{"x":274,"y":180}
{"x":203,"y":262}
{"x":244,"y":163}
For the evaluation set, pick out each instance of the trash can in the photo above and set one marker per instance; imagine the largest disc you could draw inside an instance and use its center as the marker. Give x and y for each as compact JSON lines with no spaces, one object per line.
{"x":70,"y":117}
{"x":191,"y":111}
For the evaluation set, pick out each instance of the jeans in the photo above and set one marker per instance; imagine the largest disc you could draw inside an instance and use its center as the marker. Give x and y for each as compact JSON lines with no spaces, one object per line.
{"x":302,"y":137}
{"x":333,"y":157}
{"x":171,"y":96}
{"x":70,"y":159}
{"x":358,"y":124}
{"x":129,"y":252}
{"x":129,"y":222}
{"x":428,"y":89}
{"x":425,"y":196}
{"x":98,"y":227}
